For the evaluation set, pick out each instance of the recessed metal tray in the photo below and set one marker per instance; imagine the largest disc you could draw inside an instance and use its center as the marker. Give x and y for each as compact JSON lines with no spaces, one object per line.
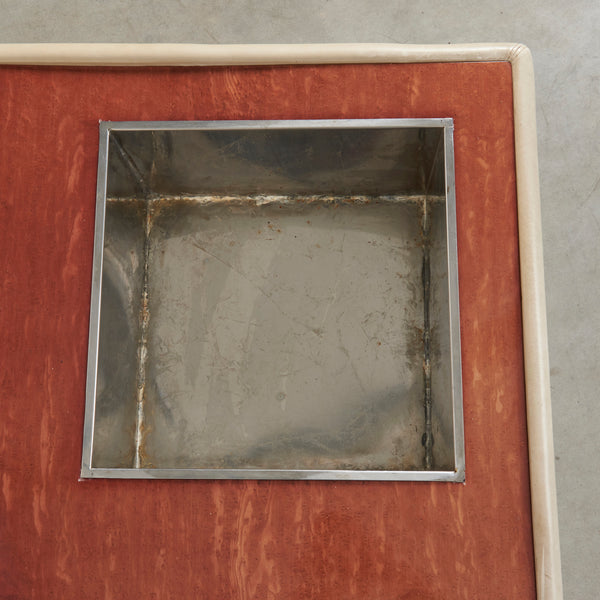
{"x":275,"y":299}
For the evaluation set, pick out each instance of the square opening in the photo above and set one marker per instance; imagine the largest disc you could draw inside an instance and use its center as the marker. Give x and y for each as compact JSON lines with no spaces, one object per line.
{"x":275,"y":299}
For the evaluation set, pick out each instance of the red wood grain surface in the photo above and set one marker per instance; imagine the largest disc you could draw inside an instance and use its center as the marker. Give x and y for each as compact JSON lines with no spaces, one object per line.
{"x":65,"y":538}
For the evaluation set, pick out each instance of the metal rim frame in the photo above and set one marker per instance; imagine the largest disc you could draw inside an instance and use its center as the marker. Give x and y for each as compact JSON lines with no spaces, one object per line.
{"x":457,"y":475}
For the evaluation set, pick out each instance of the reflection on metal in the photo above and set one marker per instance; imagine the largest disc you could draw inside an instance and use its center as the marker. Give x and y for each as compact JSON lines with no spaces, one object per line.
{"x":275,"y":300}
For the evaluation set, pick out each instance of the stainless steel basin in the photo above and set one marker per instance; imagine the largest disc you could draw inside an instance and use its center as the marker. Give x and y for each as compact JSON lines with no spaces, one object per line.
{"x":275,"y":300}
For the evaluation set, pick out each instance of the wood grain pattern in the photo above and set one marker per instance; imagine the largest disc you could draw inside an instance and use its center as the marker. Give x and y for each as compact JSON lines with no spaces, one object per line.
{"x":62,"y":538}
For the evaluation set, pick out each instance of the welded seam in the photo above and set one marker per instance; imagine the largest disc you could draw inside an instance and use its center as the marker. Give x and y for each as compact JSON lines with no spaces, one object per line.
{"x":426,"y":281}
{"x":289,"y":199}
{"x":141,"y":429}
{"x":130,"y":164}
{"x":142,"y":352}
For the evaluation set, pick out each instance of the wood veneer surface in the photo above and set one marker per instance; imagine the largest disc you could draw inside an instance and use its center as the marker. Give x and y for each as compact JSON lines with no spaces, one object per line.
{"x":64,"y":538}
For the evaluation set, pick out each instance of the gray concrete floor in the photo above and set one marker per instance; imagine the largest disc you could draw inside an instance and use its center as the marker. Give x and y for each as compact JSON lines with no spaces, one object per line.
{"x":563,"y":37}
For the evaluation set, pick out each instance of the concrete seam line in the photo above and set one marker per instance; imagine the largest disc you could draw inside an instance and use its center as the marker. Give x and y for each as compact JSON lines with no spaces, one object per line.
{"x":535,"y":339}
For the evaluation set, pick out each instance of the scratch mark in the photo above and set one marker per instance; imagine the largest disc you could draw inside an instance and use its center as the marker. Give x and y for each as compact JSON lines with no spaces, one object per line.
{"x":255,"y":286}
